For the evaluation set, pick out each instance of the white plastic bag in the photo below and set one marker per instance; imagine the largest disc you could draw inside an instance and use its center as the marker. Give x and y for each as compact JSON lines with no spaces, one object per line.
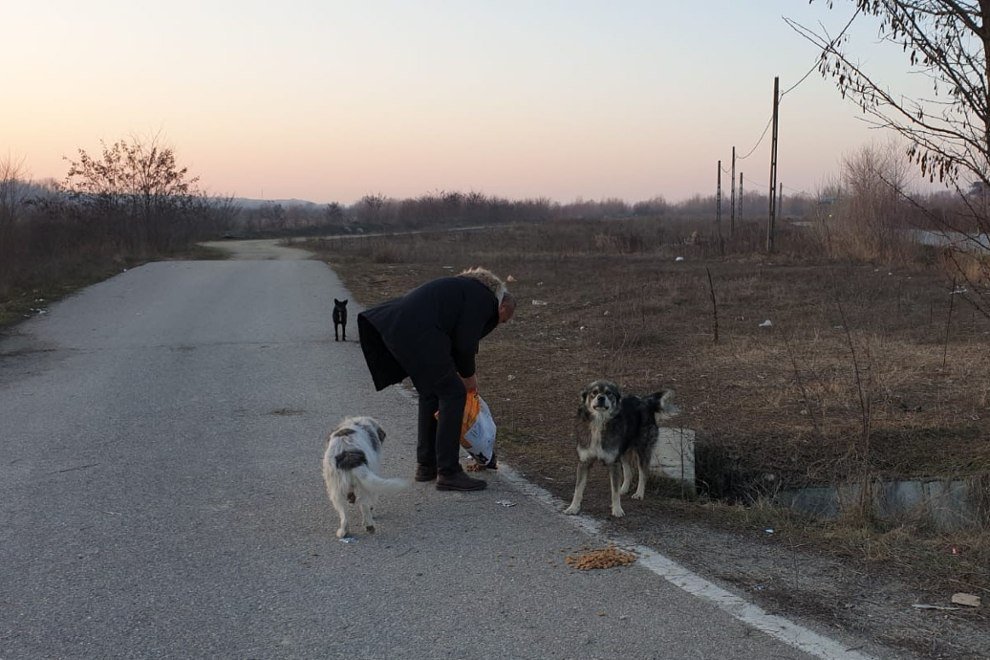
{"x":478,"y":429}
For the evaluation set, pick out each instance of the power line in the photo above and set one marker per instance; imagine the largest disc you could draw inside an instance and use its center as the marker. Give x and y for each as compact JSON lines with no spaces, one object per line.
{"x":803,"y":78}
{"x":831,"y":45}
{"x":796,"y":191}
{"x":765,"y":129}
{"x":759,"y":184}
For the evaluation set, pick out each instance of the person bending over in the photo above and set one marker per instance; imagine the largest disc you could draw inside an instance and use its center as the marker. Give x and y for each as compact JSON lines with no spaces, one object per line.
{"x":431,"y":334}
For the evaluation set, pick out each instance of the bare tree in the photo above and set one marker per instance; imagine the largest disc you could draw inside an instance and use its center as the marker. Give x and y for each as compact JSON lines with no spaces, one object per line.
{"x":370,"y":209}
{"x":870,"y":218}
{"x":948,"y":42}
{"x":333,"y":214}
{"x":13,"y":194}
{"x":139,"y":189}
{"x":13,"y":191}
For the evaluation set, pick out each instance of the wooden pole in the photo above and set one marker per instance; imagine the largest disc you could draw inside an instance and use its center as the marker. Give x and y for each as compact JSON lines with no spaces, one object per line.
{"x":718,"y":196}
{"x":711,"y":290}
{"x":718,"y":206}
{"x":732,"y":196}
{"x":773,"y":168}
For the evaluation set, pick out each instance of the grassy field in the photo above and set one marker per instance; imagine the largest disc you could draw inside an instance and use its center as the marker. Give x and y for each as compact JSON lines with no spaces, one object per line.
{"x":863,"y":371}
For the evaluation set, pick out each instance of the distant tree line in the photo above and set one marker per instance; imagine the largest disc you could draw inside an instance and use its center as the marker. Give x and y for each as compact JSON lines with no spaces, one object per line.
{"x":133,"y":202}
{"x":376,"y":212}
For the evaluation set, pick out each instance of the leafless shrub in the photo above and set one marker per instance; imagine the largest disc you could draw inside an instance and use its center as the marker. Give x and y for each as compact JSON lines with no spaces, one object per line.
{"x":866,"y":217}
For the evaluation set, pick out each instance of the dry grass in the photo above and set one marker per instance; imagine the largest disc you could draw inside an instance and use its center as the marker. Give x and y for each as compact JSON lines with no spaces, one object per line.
{"x":861,"y":374}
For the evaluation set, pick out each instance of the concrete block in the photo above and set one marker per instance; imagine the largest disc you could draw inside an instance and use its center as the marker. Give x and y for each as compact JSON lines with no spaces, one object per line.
{"x":673,"y":456}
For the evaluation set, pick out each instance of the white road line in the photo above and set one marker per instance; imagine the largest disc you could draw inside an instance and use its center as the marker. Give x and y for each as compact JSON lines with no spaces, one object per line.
{"x":777,"y":627}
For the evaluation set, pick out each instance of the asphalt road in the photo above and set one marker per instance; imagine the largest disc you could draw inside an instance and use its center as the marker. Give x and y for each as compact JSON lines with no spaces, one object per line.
{"x":161,"y":496}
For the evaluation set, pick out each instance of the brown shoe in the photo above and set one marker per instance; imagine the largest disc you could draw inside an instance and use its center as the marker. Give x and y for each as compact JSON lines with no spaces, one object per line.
{"x":425,"y":472}
{"x":460,"y":481}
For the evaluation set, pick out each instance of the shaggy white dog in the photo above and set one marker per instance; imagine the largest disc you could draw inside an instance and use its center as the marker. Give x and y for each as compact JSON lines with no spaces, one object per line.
{"x":350,"y":469}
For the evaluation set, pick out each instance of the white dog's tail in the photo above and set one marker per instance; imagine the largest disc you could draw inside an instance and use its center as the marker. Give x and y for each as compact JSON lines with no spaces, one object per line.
{"x":372,"y":483}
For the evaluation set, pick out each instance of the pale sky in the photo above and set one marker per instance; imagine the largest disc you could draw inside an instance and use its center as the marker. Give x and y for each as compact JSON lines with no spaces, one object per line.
{"x":330,"y":100}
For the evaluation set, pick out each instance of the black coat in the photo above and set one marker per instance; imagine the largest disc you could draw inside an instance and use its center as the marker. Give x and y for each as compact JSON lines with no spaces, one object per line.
{"x":433,"y":329}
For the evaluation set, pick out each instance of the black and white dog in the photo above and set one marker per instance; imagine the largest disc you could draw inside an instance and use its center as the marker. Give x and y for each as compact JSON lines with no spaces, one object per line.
{"x":350,"y":469}
{"x":621,"y":433}
{"x":339,"y":316}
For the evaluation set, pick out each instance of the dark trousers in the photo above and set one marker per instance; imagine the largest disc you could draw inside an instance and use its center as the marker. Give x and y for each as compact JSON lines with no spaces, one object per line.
{"x":438,"y":442}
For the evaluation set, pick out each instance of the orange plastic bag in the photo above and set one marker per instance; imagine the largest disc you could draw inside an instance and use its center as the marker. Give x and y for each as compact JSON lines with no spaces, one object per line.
{"x":477,"y":428}
{"x":472,"y":408}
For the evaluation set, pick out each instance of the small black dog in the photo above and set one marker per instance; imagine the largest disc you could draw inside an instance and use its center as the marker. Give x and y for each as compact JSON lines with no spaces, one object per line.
{"x":340,"y":318}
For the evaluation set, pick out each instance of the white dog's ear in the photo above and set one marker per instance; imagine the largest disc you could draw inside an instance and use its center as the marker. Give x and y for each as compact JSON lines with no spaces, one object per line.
{"x":381,"y":433}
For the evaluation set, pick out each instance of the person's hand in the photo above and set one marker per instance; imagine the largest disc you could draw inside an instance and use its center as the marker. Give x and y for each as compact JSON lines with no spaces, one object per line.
{"x":470,"y":383}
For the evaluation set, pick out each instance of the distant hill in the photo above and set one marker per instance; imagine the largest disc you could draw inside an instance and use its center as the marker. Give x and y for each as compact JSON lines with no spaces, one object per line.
{"x":248,"y":203}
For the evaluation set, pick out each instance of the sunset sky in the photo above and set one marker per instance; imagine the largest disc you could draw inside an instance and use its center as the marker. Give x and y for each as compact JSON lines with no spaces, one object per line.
{"x":329,"y":101}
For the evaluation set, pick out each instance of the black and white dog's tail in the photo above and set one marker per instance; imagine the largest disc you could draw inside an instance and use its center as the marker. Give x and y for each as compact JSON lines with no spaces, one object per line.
{"x":352,"y":464}
{"x":661,"y":404}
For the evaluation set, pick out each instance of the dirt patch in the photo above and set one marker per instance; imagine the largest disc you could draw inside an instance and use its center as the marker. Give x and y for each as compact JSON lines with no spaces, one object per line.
{"x":862,"y":371}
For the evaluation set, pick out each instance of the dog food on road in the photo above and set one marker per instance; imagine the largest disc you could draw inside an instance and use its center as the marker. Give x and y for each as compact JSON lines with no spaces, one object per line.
{"x":609,"y":557}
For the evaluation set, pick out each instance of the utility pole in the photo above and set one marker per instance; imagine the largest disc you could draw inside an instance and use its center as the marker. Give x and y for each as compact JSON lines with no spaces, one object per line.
{"x":718,"y":206}
{"x":732,"y":197}
{"x":773,"y":167}
{"x":718,"y":196}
